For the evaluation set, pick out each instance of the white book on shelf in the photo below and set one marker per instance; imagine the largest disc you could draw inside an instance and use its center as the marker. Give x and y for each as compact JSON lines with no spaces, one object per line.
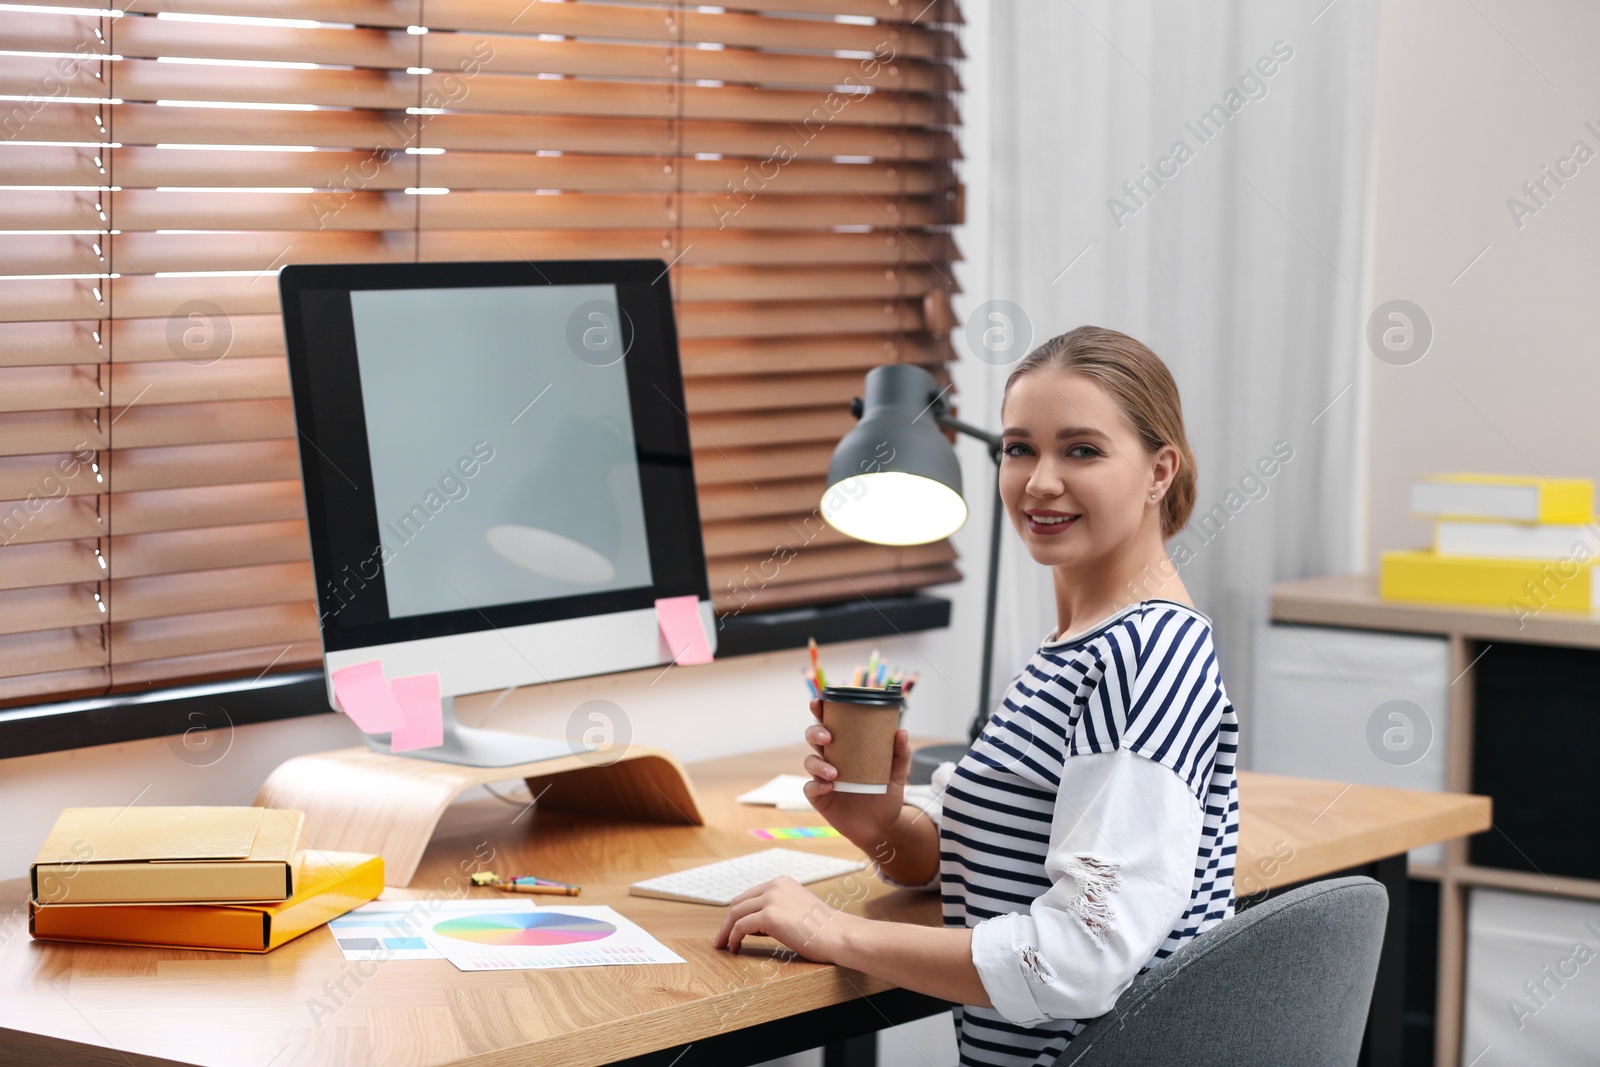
{"x":1516,"y":540}
{"x":1519,"y":498}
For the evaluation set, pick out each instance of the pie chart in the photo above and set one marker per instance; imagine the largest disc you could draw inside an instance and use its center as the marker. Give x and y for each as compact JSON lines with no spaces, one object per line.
{"x":525,"y":928}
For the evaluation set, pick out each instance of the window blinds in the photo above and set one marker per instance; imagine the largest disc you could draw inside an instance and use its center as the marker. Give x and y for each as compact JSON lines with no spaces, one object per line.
{"x":159,"y":163}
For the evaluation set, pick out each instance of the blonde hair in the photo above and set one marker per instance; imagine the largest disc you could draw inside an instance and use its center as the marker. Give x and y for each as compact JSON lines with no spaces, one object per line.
{"x":1141,"y":385}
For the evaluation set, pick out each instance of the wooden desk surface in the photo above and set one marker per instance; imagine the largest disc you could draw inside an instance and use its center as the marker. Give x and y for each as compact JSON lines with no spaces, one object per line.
{"x":66,"y":1004}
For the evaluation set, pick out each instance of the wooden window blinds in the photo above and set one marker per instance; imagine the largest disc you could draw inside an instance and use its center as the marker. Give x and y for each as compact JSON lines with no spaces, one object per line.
{"x":159,"y":163}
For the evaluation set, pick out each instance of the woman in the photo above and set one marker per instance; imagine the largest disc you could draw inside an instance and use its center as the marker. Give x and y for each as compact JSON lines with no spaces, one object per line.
{"x":1090,"y":830}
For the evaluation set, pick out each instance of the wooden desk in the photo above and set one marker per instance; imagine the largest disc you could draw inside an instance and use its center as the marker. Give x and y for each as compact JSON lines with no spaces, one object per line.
{"x":117,"y":1005}
{"x":1293,"y":830}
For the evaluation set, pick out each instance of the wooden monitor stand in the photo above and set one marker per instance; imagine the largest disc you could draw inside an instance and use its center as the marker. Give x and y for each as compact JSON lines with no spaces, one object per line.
{"x":357,"y":800}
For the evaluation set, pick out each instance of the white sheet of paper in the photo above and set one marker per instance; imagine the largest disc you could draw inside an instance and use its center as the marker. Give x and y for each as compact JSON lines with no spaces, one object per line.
{"x":785,"y":792}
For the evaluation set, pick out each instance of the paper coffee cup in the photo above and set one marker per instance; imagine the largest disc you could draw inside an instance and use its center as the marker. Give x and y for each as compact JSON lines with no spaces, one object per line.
{"x":862,"y":722}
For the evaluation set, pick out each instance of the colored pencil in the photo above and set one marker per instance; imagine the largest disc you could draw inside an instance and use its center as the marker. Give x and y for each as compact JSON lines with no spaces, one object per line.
{"x":816,"y":664}
{"x":876,"y":673}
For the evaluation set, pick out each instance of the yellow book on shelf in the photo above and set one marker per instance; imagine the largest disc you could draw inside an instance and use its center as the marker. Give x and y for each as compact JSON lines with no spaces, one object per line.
{"x":156,"y":854}
{"x":331,"y":883}
{"x":1518,"y":497}
{"x":1525,"y":584}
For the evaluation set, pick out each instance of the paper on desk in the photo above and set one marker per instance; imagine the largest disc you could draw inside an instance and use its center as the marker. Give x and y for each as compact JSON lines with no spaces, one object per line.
{"x":363,"y":693}
{"x":391,"y":929}
{"x":482,"y":934}
{"x":785,"y":792}
{"x":679,"y":619}
{"x":418,"y":696}
{"x":545,"y":937}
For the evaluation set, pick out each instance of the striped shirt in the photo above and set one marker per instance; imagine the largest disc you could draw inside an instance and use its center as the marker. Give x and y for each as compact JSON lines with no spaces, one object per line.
{"x":1145,"y":681}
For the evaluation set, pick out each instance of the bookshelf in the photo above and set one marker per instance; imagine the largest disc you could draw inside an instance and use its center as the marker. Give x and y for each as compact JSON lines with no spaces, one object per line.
{"x":1352,"y":601}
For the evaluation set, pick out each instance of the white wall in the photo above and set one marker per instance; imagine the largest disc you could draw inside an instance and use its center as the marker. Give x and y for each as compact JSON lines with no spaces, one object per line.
{"x":1473,"y":99}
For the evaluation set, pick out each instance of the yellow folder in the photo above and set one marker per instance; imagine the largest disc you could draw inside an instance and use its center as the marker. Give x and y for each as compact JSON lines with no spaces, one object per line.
{"x":168,"y":854}
{"x":1526,"y":584}
{"x":331,"y":883}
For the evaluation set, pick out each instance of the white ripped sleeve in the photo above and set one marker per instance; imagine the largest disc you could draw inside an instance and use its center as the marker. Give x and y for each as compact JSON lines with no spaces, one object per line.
{"x":933,"y":807}
{"x":1123,"y":842}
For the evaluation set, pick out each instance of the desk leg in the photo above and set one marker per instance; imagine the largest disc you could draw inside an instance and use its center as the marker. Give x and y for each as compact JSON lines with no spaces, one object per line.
{"x":1382,"y":1045}
{"x":855,"y":1052}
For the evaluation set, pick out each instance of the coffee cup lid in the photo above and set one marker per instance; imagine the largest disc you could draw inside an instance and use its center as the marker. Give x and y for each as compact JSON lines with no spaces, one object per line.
{"x":853,"y":694}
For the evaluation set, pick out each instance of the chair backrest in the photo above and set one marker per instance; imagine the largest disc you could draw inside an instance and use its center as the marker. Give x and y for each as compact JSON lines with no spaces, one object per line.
{"x":1285,"y":982}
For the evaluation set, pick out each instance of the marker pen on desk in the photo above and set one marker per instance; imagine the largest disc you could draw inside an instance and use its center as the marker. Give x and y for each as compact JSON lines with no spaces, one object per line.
{"x":524,"y":883}
{"x":539,"y":885}
{"x":549,"y":890}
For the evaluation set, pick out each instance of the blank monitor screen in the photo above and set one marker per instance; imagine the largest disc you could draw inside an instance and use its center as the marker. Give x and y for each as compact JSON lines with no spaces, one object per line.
{"x":489,"y":445}
{"x":503,"y":469}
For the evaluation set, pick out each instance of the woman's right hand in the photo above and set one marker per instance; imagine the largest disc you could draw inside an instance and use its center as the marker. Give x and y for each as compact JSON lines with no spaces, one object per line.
{"x":867,"y":819}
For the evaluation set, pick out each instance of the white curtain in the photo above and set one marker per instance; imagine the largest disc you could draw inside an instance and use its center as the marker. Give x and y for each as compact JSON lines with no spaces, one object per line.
{"x":1242,"y":267}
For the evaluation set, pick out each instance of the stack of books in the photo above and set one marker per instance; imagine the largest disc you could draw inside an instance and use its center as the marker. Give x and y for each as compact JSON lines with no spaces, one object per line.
{"x":228,"y":878}
{"x":1523,"y":543}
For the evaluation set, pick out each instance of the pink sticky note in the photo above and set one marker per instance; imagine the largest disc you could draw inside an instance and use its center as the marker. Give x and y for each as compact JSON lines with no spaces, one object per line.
{"x":679,"y":617}
{"x":418,"y":695}
{"x":363,"y":693}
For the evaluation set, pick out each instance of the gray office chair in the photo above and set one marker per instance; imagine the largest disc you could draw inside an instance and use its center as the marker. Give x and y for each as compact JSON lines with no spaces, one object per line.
{"x":1285,"y":982}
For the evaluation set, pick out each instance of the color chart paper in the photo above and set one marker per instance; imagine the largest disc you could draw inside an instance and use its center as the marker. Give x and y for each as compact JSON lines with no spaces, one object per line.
{"x":482,"y":934}
{"x":392,"y":929}
{"x":544,"y":937}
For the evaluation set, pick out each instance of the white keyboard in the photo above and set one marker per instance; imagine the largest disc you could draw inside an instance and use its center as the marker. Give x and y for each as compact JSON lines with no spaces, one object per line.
{"x":719,"y":883}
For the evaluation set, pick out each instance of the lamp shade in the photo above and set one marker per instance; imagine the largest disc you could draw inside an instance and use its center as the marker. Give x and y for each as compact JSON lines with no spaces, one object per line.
{"x":894,"y":478}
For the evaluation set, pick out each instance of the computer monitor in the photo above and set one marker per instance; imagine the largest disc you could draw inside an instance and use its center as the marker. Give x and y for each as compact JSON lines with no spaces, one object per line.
{"x":497,"y":472}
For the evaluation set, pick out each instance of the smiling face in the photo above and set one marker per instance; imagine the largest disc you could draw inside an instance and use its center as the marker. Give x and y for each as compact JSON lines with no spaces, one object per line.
{"x":1075,"y":477}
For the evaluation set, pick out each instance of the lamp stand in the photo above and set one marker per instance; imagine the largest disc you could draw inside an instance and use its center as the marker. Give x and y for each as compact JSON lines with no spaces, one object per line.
{"x":926,"y":759}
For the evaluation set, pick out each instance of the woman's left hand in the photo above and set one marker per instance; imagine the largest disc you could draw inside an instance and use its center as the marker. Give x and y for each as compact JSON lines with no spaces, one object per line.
{"x":788,"y":912}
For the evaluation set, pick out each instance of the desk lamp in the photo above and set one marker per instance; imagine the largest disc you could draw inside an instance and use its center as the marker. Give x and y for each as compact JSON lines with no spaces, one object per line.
{"x":894,"y":480}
